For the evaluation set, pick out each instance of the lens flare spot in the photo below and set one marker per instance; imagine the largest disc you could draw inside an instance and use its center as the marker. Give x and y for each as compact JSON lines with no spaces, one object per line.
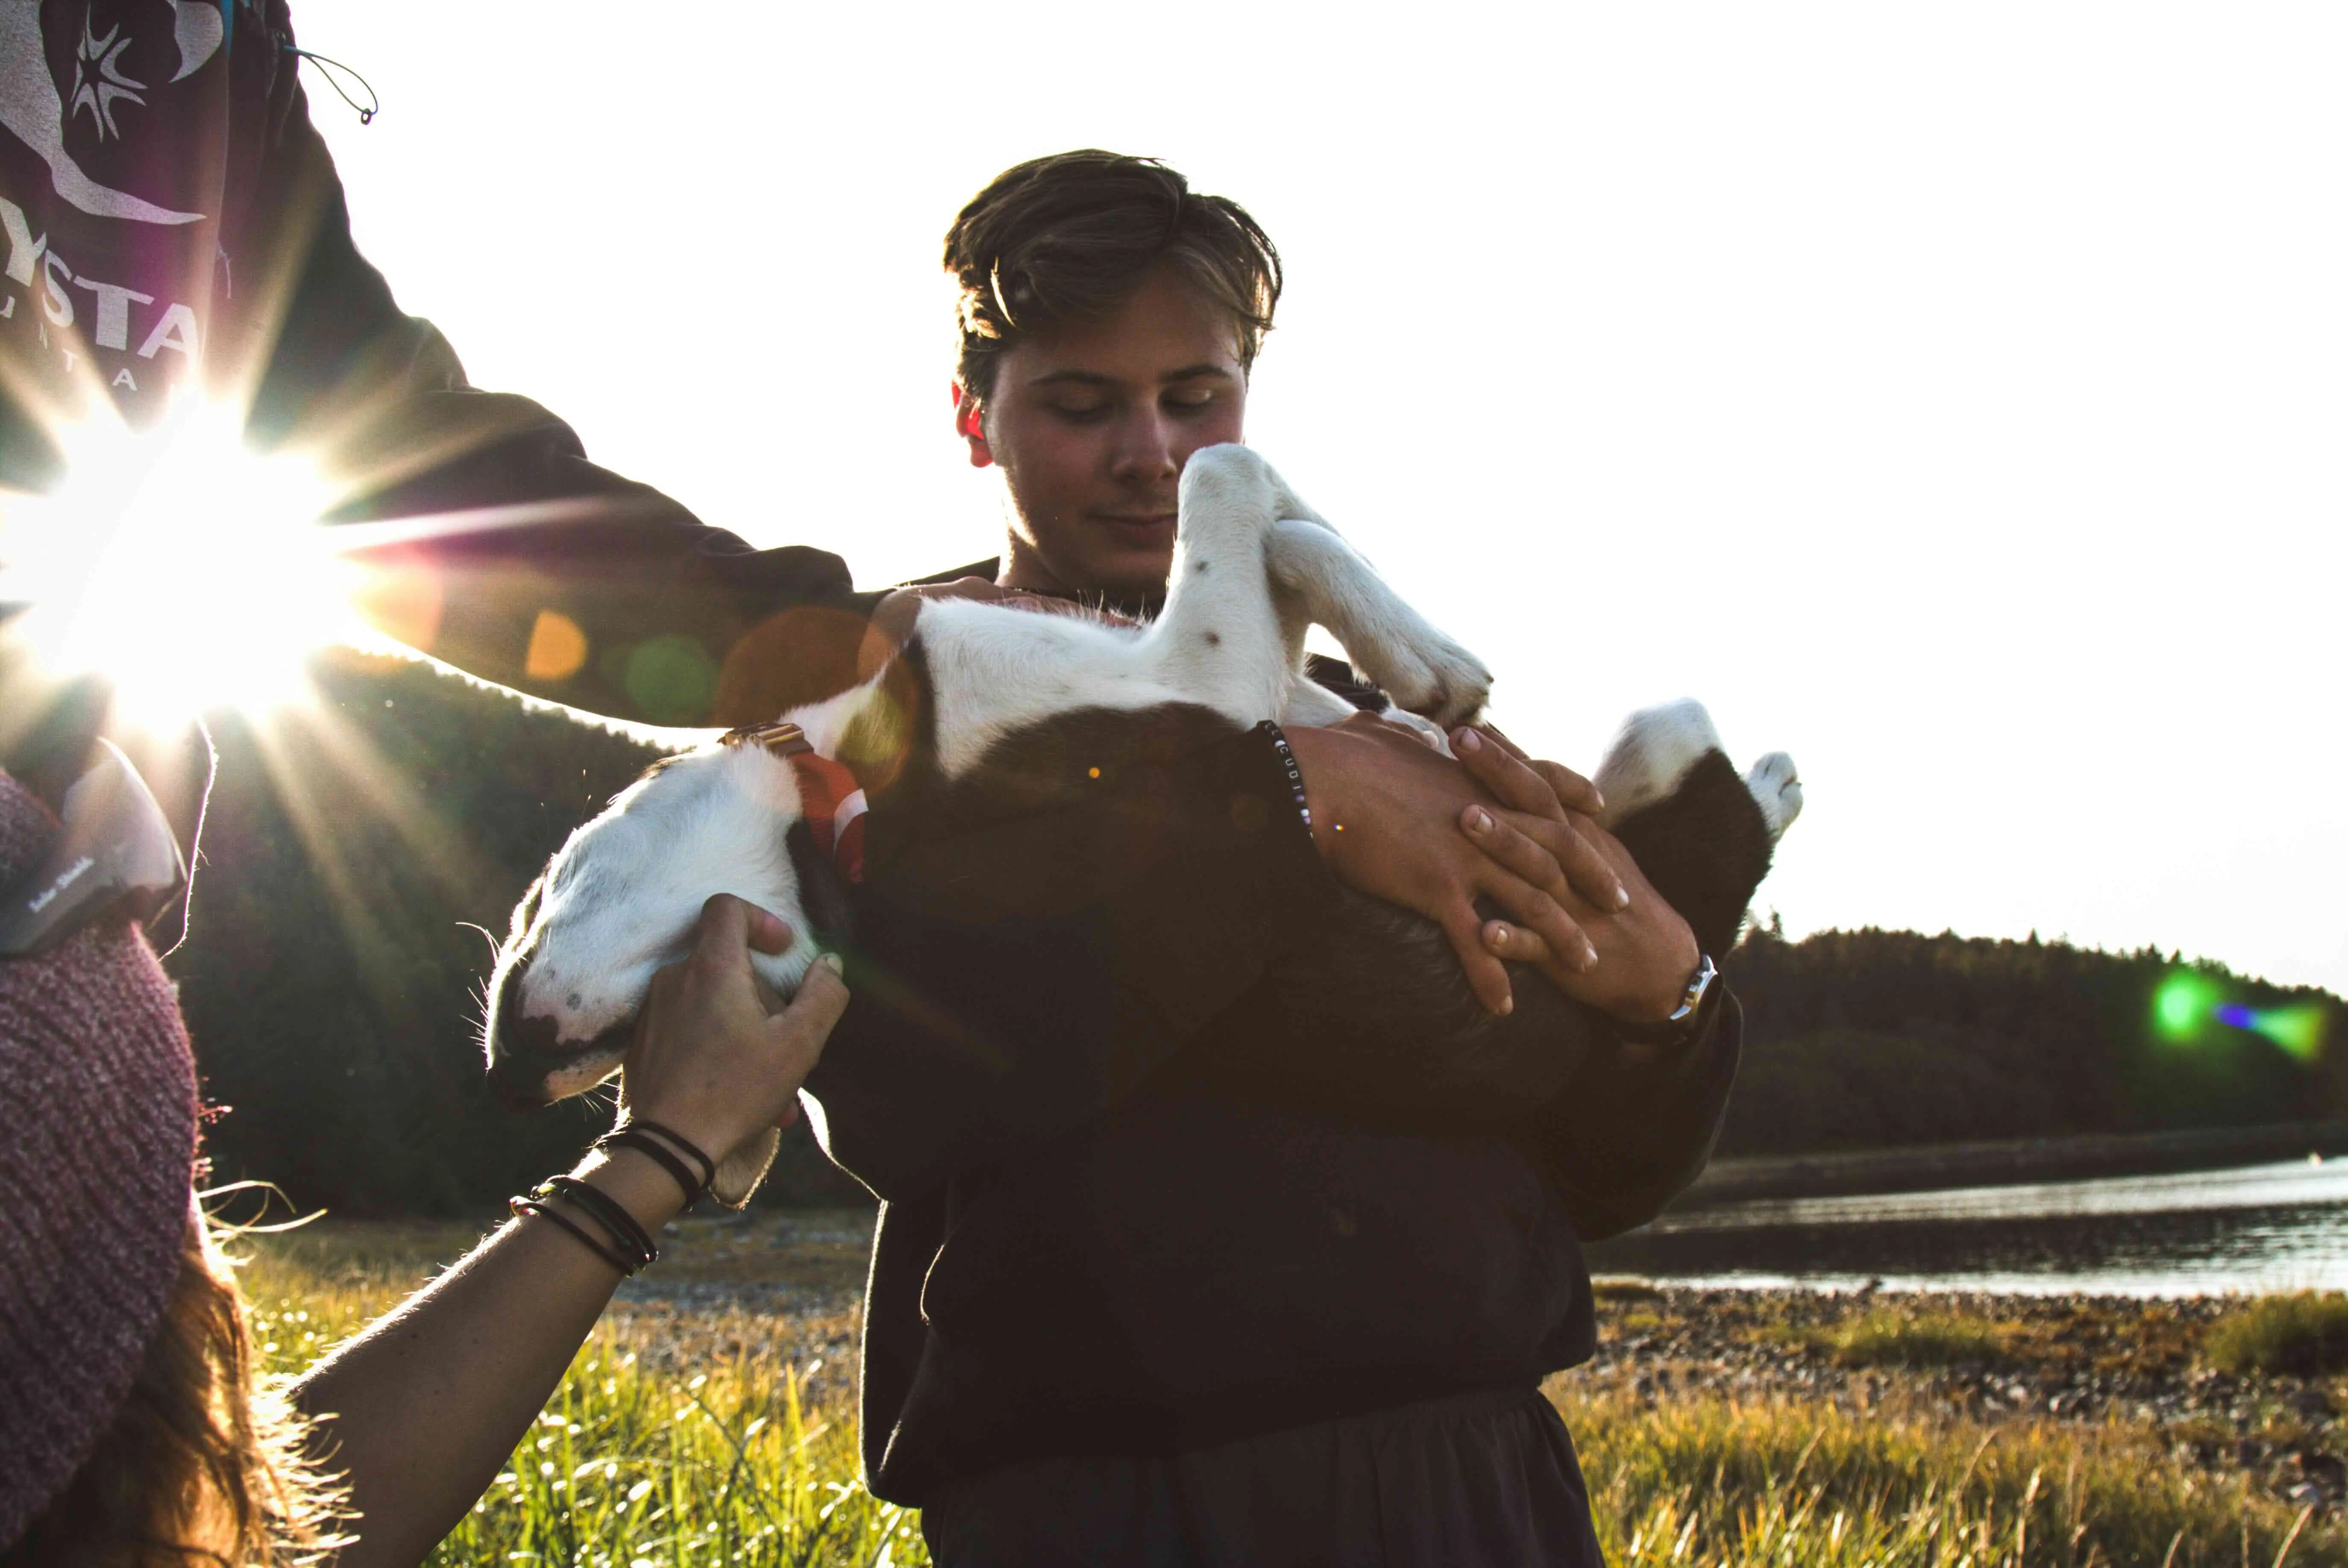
{"x":2298,"y":1030}
{"x":672,"y":678}
{"x":557,"y":647}
{"x":2183,"y":1006}
{"x":2186,"y":1004}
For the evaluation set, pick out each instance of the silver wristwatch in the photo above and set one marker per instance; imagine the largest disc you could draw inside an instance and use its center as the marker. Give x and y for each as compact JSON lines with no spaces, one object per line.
{"x":1679,"y":1028}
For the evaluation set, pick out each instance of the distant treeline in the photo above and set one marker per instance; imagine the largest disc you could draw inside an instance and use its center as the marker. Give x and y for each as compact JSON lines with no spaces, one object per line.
{"x":1871,"y":1039}
{"x":333,"y":974}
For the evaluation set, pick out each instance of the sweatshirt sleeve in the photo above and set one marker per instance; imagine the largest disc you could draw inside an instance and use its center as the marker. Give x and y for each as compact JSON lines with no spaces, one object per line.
{"x":1013,"y":978}
{"x":1619,"y":1142}
{"x":529,"y":566}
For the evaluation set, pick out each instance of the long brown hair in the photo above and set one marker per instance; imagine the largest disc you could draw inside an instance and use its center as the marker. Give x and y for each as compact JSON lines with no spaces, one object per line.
{"x":202,"y":1463}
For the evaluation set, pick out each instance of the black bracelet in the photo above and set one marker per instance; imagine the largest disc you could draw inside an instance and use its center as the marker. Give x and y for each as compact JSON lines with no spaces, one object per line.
{"x":653,"y":1149}
{"x":526,"y":1207}
{"x":627,"y":1234}
{"x":685,"y":1146}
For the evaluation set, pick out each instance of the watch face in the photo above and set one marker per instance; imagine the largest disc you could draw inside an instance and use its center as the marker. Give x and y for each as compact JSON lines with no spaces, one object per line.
{"x":1697,"y":989}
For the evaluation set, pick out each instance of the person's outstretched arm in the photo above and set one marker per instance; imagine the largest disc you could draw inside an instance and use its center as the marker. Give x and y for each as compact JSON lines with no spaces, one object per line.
{"x":420,"y":1409}
{"x":530,"y":565}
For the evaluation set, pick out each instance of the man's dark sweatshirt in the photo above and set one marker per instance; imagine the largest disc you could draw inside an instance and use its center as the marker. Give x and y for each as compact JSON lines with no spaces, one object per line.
{"x":1110,"y":1224}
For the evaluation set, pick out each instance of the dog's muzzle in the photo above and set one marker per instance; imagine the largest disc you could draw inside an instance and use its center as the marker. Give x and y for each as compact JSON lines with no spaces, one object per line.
{"x":529,"y":1059}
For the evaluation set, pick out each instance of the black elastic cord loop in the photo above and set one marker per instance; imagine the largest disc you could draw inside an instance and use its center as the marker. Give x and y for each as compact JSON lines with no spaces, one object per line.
{"x":644,"y":1143}
{"x":610,"y":1214}
{"x":685,"y":1146}
{"x":528,"y":1206}
{"x":326,"y":68}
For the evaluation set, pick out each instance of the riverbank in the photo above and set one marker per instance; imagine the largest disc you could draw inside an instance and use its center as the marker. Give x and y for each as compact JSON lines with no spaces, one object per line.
{"x":2070,"y":1363}
{"x":712,"y":1419}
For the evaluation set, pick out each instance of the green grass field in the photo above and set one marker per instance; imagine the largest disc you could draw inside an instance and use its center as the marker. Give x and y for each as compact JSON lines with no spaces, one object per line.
{"x":716,"y":1436}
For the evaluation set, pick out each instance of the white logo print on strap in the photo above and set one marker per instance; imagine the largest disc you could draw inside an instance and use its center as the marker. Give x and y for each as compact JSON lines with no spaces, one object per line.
{"x":31,"y":110}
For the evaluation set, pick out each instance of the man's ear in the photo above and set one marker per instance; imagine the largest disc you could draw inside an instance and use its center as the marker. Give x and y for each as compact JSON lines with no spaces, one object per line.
{"x":970,"y":426}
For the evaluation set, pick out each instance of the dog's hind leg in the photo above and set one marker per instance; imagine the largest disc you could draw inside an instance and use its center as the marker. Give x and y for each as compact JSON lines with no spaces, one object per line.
{"x":1654,"y":751}
{"x":1659,"y":748}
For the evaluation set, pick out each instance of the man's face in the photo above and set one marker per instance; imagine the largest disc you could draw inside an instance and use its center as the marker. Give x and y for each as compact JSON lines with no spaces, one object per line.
{"x":1091,"y":423}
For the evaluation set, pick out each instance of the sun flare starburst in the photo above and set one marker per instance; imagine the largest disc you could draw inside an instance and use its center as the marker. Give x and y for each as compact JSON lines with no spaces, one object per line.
{"x":191,"y":574}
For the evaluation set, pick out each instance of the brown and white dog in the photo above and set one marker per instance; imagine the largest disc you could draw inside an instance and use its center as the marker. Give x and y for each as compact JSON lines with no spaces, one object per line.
{"x":983,"y":697}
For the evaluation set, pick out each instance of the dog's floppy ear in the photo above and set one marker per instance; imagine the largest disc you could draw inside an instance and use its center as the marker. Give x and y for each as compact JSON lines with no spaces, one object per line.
{"x":823,"y":887}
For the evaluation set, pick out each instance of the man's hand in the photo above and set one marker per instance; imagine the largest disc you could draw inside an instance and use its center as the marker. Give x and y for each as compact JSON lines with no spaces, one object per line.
{"x":1644,"y":951}
{"x":1384,"y":805}
{"x":717,"y":1055}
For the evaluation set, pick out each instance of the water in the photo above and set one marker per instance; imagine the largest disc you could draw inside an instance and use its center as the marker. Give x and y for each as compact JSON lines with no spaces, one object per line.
{"x":2257,"y":1228}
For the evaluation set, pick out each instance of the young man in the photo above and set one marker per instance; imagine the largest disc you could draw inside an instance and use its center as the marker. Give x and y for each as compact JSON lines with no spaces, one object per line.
{"x":1142,"y":1293}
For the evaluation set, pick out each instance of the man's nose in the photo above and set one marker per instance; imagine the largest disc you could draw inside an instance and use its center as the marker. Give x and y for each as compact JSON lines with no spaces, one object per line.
{"x":1147,"y":448}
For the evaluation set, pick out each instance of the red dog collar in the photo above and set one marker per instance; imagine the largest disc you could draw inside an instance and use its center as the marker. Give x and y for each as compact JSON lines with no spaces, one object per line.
{"x":830,"y":799}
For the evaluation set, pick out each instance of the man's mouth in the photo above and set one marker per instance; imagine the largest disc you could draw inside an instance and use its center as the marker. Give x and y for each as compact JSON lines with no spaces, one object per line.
{"x":1151,"y":527}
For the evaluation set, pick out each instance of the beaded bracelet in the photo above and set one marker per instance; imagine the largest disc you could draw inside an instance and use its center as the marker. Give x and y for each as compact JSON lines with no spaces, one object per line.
{"x":1295,"y":775}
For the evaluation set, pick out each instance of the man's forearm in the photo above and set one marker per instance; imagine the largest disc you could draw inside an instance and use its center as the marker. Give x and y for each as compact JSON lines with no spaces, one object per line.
{"x":1630,"y":1131}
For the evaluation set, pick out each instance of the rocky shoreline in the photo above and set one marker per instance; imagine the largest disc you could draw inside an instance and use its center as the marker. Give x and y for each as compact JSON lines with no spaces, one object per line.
{"x":2086,"y":1361}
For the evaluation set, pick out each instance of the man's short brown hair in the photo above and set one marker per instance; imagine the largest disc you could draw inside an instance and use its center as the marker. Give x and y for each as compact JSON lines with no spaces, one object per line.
{"x":1071,"y":235}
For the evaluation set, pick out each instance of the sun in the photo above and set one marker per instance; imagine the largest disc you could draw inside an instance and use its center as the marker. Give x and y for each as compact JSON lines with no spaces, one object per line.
{"x":191,"y":574}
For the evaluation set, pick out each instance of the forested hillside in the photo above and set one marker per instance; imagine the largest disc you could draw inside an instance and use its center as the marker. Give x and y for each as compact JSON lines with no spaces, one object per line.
{"x":332,"y":979}
{"x":1865,"y":1040}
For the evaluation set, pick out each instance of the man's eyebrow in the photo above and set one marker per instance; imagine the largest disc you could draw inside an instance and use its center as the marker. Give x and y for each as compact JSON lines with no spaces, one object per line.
{"x":1095,"y":378}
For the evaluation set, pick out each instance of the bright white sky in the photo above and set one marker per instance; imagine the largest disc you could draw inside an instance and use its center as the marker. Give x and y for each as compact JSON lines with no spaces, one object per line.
{"x":1950,"y":395}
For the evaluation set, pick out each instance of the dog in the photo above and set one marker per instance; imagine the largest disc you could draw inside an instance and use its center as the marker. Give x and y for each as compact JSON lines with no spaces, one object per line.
{"x":987,"y":708}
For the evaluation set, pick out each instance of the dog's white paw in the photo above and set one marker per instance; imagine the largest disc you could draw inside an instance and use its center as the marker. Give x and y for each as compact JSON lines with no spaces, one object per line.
{"x":1777,"y":790}
{"x":1424,"y":672}
{"x":1653,"y":754}
{"x":1392,"y":645}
